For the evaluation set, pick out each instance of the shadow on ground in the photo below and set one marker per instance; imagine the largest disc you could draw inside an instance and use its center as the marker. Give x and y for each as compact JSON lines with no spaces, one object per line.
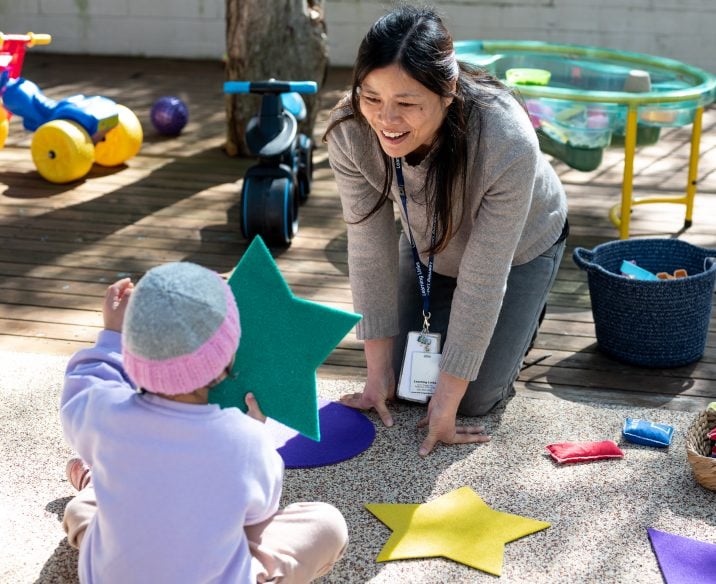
{"x":61,"y":566}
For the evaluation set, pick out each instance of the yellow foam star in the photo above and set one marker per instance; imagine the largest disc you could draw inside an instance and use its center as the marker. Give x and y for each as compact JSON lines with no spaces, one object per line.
{"x":459,"y":526}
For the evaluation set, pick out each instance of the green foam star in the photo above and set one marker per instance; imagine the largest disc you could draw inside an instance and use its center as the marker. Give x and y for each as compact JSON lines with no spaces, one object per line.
{"x":283,"y":341}
{"x":459,"y":526}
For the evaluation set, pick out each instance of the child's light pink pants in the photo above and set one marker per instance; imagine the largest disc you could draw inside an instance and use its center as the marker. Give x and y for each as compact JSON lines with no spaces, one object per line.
{"x":297,"y":545}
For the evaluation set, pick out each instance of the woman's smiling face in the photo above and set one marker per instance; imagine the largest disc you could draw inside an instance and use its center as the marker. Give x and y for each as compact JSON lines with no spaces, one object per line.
{"x":404,"y":114}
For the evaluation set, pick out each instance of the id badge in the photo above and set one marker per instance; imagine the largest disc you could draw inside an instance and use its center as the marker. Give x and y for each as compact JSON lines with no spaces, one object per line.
{"x":418,"y":375}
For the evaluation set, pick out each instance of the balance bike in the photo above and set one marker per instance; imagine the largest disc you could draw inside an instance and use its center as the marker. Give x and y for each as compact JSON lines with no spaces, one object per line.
{"x":281,"y":179}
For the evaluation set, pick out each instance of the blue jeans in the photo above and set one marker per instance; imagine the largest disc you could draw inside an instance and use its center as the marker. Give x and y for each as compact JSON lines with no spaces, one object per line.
{"x":526,"y":295}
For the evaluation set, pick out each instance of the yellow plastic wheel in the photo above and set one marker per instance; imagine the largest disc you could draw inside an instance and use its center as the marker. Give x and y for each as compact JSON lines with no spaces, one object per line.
{"x":62,"y":151}
{"x":4,"y":126}
{"x":121,"y":142}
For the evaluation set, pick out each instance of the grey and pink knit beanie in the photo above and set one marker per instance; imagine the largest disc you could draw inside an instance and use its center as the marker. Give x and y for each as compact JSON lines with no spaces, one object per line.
{"x":181,"y":329}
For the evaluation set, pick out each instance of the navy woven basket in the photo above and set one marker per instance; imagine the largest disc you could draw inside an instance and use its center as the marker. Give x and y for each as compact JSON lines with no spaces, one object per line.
{"x":661,"y":323}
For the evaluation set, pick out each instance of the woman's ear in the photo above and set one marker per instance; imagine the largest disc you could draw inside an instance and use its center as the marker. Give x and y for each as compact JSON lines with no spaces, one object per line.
{"x":447,"y":101}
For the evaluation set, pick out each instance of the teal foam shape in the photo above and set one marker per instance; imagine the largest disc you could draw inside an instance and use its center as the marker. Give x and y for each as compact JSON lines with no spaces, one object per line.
{"x":284,"y":339}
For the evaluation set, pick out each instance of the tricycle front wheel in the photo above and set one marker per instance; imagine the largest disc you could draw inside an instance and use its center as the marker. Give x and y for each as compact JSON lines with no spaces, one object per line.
{"x":62,"y":151}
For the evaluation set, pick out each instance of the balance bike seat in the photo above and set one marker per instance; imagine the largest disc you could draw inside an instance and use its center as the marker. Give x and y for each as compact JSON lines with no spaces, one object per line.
{"x":270,"y":146}
{"x":293,"y":102}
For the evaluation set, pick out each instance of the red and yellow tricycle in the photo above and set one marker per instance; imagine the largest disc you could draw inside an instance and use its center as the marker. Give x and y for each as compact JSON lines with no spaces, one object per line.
{"x":70,"y":135}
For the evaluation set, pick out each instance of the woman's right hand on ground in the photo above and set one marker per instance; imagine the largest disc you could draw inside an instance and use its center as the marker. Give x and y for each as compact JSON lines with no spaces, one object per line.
{"x":379,"y":387}
{"x":375,"y":396}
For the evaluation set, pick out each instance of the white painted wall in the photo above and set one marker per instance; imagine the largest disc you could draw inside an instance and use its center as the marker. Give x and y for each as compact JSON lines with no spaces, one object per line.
{"x":680,"y":29}
{"x":154,"y":28}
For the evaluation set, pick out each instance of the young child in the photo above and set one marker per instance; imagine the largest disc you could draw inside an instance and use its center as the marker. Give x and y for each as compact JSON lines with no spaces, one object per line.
{"x":179,"y":491}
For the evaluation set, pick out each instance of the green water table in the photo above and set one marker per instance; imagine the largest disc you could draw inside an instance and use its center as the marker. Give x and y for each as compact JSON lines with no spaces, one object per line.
{"x":583,"y":99}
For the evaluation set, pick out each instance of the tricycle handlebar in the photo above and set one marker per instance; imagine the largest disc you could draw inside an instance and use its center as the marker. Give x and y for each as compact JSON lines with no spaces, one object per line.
{"x":31,"y":39}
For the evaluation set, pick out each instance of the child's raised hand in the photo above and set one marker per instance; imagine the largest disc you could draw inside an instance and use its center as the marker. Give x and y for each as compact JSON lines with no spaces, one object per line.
{"x":115,"y":304}
{"x":254,"y":409}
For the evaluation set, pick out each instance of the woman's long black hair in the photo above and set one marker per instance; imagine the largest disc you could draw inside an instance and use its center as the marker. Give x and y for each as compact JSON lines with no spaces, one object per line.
{"x":416,"y":40}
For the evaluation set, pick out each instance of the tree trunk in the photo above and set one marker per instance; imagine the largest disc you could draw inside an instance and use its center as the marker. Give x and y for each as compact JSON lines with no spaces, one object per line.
{"x":280,"y":39}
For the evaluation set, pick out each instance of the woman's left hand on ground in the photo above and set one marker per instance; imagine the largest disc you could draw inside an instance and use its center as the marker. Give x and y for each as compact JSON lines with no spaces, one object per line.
{"x":443,"y":429}
{"x":442,"y":412}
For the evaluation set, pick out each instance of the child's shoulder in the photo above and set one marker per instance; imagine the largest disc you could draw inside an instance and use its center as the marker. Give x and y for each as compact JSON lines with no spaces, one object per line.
{"x":246,"y":443}
{"x":232,"y":422}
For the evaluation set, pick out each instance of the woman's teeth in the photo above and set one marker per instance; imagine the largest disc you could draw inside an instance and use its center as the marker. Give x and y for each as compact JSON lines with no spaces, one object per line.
{"x":393,"y":134}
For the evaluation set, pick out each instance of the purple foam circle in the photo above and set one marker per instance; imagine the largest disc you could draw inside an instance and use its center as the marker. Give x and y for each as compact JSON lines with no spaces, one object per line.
{"x":345,"y":433}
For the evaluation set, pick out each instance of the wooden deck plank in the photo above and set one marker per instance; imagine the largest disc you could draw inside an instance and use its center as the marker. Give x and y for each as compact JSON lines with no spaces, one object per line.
{"x":60,"y":245}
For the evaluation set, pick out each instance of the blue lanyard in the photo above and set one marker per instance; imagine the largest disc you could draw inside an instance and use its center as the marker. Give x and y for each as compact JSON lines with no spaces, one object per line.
{"x":423,"y":281}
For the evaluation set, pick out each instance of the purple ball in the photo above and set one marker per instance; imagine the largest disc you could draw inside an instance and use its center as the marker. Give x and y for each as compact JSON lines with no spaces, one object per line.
{"x":169,"y":115}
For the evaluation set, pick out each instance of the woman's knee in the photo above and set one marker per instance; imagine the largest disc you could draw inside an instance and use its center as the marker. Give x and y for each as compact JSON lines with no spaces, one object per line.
{"x":482,"y":403}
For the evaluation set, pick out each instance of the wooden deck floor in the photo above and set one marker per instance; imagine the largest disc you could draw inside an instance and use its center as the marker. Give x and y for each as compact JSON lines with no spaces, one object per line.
{"x":62,"y":245}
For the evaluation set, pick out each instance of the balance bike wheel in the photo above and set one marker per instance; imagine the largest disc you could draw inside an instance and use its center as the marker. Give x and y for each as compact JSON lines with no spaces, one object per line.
{"x":122,"y":142}
{"x":62,"y":151}
{"x":305,"y":168}
{"x":269,"y":208}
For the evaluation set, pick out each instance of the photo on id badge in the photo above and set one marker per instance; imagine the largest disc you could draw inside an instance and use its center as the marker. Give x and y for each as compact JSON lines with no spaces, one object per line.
{"x":421,"y":367}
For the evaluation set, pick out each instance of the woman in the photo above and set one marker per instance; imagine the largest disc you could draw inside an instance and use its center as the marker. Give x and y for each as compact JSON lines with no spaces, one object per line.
{"x":484,"y":209}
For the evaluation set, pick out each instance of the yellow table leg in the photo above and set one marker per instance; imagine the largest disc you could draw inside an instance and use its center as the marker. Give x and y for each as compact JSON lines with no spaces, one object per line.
{"x":620,"y":214}
{"x":628,"y":178}
{"x":693,"y":166}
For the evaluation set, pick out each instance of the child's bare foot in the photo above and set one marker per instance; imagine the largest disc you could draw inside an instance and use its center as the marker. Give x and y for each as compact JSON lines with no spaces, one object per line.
{"x":78,"y":473}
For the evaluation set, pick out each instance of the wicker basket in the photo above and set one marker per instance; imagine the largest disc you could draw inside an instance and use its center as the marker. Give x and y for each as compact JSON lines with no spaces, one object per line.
{"x":651,"y":323}
{"x":698,"y":447}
